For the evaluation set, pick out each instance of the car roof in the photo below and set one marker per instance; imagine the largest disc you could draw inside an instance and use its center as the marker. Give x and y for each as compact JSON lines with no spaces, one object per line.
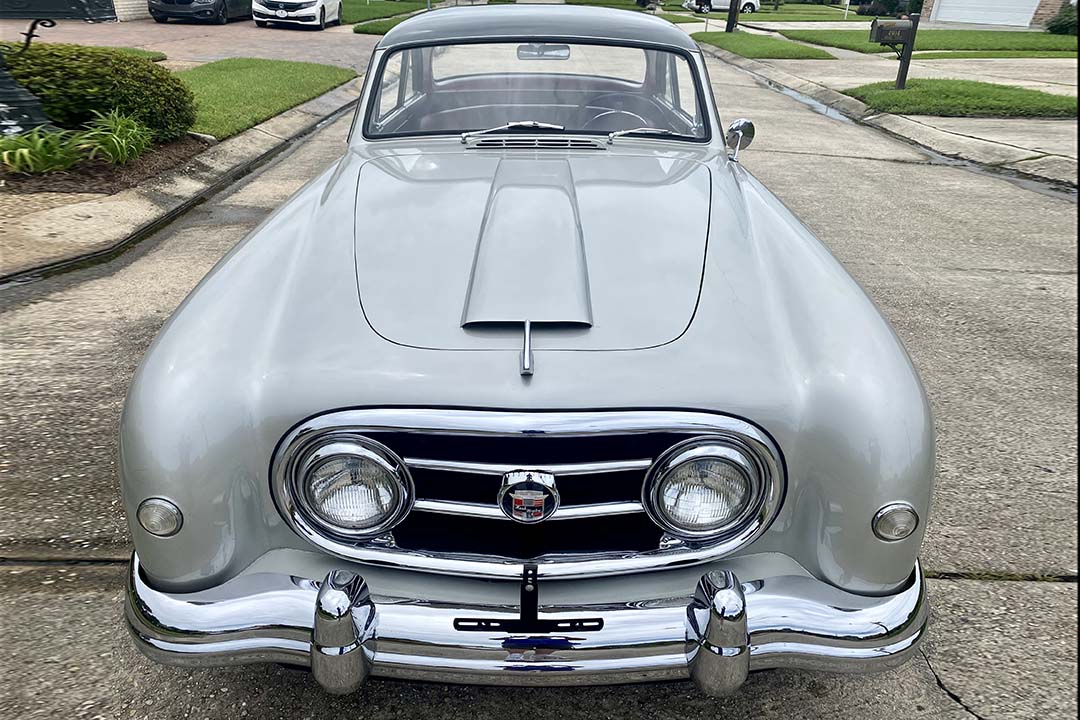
{"x":564,"y":22}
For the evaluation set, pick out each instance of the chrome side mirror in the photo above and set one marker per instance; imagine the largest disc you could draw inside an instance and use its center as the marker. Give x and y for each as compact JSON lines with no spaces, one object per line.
{"x":739,"y":136}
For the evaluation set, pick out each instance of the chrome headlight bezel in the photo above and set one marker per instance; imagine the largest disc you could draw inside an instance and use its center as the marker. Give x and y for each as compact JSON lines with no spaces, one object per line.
{"x":756,"y":464}
{"x":294,"y":493}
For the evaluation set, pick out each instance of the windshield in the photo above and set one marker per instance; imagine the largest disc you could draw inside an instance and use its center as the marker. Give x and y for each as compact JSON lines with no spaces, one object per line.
{"x":536,"y":87}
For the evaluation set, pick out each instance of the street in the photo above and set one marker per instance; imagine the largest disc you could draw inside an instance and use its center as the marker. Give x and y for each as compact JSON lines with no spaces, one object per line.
{"x":976,"y":273}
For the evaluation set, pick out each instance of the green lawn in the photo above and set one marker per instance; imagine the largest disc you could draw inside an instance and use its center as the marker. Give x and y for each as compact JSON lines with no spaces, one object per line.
{"x":975,"y":54}
{"x":677,"y":19}
{"x":761,"y":46}
{"x":622,"y":4}
{"x":941,"y":40}
{"x":963,"y":98}
{"x":354,"y":11}
{"x":379,"y":27}
{"x":803,"y":13}
{"x":233,"y":95}
{"x":151,"y":55}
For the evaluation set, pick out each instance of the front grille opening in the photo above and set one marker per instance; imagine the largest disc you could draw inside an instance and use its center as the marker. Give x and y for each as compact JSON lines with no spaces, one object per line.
{"x":454,"y":534}
{"x":439,"y":533}
{"x":529,"y":450}
{"x":483,"y":489}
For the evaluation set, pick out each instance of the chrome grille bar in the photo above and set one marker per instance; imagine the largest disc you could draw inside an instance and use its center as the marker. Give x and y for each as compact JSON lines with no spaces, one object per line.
{"x":492,"y":512}
{"x":593,"y":468}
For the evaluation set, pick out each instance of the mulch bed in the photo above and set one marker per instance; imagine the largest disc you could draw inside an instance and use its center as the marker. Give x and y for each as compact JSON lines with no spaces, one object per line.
{"x":101,"y":177}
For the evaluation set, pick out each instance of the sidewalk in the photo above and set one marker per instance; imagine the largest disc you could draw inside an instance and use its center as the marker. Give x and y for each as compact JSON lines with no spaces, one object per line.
{"x":1044,"y":149}
{"x":59,"y":234}
{"x":1052,"y":75}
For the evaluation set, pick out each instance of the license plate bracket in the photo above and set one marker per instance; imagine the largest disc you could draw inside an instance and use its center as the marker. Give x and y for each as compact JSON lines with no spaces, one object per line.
{"x":529,"y":620}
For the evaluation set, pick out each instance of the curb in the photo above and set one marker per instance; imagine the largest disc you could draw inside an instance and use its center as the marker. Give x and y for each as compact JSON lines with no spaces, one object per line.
{"x":55,"y":239}
{"x":992,"y":156}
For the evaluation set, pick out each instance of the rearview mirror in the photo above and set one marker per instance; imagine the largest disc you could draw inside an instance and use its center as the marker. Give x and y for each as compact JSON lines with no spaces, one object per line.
{"x":739,"y":136}
{"x":543,"y":51}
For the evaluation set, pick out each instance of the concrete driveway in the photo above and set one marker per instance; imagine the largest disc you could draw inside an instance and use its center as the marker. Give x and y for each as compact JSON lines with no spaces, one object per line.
{"x":202,"y":42}
{"x":977,"y":274}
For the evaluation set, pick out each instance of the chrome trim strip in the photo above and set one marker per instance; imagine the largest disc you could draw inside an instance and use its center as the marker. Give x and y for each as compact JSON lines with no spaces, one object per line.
{"x":478,"y":468}
{"x":517,"y":423}
{"x":492,"y":512}
{"x":790,"y":622}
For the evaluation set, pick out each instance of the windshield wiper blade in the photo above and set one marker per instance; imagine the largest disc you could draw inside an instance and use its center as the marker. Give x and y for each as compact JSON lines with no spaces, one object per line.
{"x":530,"y":124}
{"x":644,"y":131}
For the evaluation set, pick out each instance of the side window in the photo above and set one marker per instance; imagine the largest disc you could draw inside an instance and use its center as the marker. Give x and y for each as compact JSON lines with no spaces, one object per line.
{"x":400,"y":84}
{"x":677,"y":89}
{"x":391,"y":86}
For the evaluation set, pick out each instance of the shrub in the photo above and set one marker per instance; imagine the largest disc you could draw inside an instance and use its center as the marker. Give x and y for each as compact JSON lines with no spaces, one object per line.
{"x":879,"y":8}
{"x":1064,"y":23}
{"x":116,"y":138}
{"x":40,"y":151}
{"x":73,"y":82}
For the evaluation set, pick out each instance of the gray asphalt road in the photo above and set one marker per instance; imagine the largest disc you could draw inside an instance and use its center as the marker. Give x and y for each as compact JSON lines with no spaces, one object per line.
{"x":977,"y":274}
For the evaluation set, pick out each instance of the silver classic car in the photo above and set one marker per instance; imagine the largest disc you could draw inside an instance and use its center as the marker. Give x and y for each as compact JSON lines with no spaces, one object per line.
{"x":535,"y":386}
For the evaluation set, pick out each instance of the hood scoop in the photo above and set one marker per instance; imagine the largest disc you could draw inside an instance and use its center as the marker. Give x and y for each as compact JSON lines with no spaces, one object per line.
{"x":530,"y":263}
{"x":529,"y":267}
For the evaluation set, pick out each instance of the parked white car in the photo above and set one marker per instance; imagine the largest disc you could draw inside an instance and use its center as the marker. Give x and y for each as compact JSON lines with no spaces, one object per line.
{"x":311,"y":13}
{"x":707,"y":6}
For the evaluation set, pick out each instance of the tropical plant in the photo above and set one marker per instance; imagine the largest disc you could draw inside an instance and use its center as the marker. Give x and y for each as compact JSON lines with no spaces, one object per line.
{"x":116,"y":137}
{"x":40,"y":151}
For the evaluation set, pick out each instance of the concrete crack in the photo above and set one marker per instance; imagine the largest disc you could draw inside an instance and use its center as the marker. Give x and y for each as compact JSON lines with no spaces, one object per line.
{"x":944,"y":688}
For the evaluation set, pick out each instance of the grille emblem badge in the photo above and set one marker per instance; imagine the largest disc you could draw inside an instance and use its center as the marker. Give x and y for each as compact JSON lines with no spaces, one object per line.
{"x":528,"y":496}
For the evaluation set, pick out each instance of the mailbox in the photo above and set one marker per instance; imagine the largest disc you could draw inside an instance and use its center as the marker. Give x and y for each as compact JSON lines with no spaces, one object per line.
{"x":891,"y":32}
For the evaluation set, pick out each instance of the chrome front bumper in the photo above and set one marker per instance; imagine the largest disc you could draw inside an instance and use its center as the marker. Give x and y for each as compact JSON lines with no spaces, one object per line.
{"x":717,"y":636}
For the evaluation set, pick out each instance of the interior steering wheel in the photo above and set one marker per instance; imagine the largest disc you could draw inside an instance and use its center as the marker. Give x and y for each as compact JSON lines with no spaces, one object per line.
{"x":608,"y":116}
{"x":632,"y":108}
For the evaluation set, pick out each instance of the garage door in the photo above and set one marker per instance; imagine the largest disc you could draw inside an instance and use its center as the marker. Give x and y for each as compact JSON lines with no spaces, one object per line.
{"x":56,"y":9}
{"x":986,"y":12}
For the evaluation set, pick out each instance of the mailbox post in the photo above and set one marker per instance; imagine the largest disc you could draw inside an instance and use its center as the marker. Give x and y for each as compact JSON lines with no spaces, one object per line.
{"x":732,"y":16}
{"x":900,"y":36}
{"x":20,"y":111}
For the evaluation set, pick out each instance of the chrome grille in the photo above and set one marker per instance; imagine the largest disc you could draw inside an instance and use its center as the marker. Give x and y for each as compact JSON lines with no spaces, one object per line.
{"x":457,"y":459}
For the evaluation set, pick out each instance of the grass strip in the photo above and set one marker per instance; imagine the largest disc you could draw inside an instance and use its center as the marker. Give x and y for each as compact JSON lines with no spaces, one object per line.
{"x":976,"y":54}
{"x":963,"y":98}
{"x":356,"y":11}
{"x":678,"y":19}
{"x":151,"y":55}
{"x":235,"y":94}
{"x":803,"y":13}
{"x":761,"y":46}
{"x":379,"y":27}
{"x":941,"y":40}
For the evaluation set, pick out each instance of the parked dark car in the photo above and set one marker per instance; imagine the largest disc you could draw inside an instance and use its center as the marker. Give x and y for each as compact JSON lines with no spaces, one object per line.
{"x":216,"y":11}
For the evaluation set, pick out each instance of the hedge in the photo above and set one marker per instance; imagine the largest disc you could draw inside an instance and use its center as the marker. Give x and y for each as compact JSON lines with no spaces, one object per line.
{"x":74,"y":82}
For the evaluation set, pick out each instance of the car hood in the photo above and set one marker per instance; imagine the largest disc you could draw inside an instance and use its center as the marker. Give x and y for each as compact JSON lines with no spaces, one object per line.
{"x":456,"y":251}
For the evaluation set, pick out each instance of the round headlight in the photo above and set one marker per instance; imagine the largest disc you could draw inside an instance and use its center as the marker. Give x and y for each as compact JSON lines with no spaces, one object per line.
{"x":704,"y":488}
{"x":355,"y":487}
